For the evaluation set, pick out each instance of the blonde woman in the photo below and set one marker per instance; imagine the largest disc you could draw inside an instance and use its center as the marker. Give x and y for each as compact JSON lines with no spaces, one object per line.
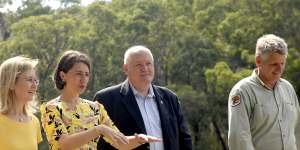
{"x":19,"y":128}
{"x":71,"y":122}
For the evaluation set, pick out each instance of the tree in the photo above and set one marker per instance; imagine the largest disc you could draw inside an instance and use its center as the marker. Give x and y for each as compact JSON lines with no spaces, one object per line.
{"x":220,"y":80}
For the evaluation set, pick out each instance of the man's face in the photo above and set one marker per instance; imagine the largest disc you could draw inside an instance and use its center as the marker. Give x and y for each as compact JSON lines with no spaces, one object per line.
{"x":271,"y":67}
{"x":139,"y":69}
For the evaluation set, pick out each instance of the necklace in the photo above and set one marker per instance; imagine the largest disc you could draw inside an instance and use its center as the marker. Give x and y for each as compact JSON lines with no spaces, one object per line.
{"x":72,"y":105}
{"x":18,"y":117}
{"x":21,"y":119}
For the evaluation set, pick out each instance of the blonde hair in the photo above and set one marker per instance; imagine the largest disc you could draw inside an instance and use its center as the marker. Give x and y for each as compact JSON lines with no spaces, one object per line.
{"x":10,"y":69}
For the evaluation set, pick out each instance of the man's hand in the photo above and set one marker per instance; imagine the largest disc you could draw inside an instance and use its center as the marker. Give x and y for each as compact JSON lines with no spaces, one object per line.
{"x":142,"y":138}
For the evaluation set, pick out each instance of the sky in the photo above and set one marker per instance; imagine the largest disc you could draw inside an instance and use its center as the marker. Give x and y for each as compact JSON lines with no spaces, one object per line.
{"x":53,"y":3}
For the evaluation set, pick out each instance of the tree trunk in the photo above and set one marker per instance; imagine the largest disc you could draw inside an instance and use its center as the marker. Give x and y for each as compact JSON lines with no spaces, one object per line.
{"x":4,"y":30}
{"x":220,"y":138}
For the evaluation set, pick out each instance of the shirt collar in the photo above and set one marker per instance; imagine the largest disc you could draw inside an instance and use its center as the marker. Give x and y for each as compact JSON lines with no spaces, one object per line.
{"x":255,"y":75}
{"x":136,"y":93}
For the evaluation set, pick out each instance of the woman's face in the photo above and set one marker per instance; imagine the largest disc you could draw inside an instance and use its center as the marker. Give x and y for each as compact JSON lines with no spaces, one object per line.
{"x":26,"y":85}
{"x":76,"y":78}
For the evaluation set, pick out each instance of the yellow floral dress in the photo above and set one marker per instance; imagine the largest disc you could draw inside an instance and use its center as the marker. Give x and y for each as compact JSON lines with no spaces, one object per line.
{"x":57,"y":119}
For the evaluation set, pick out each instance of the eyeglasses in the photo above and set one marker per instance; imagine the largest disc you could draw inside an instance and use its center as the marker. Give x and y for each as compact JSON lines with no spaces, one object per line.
{"x":31,"y":80}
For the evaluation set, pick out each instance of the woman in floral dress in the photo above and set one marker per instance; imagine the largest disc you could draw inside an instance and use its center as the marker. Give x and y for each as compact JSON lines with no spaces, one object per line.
{"x":71,"y":122}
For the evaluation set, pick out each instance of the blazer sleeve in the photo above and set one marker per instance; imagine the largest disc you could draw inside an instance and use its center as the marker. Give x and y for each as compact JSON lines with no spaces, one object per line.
{"x":185,"y":140}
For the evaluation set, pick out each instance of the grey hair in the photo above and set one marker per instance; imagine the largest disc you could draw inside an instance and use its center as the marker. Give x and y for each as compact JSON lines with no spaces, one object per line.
{"x":271,"y":43}
{"x":136,"y":49}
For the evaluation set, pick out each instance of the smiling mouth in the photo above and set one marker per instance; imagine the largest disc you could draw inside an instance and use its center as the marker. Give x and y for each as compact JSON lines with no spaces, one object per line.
{"x":277,"y":73}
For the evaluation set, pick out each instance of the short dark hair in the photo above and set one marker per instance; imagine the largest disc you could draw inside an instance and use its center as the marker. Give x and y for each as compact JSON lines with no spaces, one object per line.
{"x":66,"y":62}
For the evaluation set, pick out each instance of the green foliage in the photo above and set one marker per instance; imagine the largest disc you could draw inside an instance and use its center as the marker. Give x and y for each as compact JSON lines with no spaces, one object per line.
{"x":3,"y":2}
{"x":220,"y":79}
{"x":32,"y":8}
{"x":209,"y":141}
{"x":195,"y":107}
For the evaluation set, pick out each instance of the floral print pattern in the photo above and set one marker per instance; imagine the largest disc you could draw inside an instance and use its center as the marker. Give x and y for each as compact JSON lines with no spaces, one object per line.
{"x":58,"y":119}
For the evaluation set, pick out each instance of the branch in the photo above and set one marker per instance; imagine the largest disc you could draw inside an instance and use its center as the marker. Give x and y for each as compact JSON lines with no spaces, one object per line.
{"x":218,"y":132}
{"x":3,"y":28}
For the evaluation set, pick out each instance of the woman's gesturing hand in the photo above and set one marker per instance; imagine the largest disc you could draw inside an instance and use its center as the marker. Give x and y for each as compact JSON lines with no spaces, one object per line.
{"x":115,"y":136}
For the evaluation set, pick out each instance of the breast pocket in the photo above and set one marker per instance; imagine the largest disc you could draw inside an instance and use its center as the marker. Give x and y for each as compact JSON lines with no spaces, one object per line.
{"x":290,"y":111}
{"x":263,"y":113}
{"x":257,"y":115}
{"x":270,"y":110}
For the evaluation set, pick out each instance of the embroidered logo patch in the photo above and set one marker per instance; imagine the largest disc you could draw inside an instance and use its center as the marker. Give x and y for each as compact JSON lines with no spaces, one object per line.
{"x":235,"y":100}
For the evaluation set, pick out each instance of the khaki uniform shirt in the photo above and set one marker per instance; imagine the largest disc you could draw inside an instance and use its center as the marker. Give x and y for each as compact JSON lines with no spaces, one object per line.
{"x":261,"y":118}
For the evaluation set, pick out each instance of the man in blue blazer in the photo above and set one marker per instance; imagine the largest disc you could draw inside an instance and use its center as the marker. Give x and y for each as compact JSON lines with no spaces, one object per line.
{"x":138,"y":106}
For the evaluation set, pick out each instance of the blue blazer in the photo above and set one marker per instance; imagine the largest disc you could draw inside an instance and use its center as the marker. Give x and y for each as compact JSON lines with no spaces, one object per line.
{"x":121,"y":106}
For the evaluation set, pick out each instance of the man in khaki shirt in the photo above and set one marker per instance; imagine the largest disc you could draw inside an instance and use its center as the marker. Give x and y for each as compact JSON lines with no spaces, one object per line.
{"x":263,"y":108}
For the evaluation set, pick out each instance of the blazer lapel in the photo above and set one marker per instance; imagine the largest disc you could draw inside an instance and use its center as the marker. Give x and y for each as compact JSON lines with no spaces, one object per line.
{"x":161,"y":104}
{"x":131,"y":105}
{"x":163,"y":114}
